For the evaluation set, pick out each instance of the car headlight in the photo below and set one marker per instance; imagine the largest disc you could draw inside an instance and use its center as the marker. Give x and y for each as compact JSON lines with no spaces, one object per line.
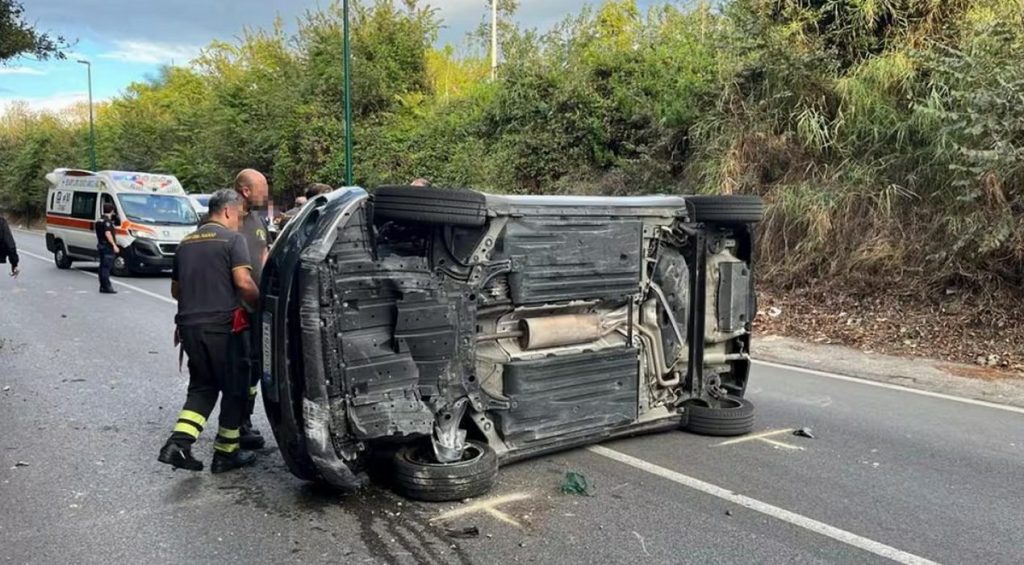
{"x":139,"y":234}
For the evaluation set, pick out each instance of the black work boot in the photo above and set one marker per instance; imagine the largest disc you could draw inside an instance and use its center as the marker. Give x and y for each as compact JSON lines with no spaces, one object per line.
{"x":224,"y":462}
{"x":179,"y":457}
{"x":250,"y":438}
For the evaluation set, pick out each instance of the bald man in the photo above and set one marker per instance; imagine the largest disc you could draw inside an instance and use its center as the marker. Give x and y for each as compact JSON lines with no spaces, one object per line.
{"x":252,"y":186}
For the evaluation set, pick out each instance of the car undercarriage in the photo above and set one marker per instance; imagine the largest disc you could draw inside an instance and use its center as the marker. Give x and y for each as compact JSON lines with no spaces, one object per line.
{"x":458,"y":331}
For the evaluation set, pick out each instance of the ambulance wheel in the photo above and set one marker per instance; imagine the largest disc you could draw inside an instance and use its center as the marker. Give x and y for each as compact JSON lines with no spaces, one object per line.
{"x":120,"y":268}
{"x":60,"y":256}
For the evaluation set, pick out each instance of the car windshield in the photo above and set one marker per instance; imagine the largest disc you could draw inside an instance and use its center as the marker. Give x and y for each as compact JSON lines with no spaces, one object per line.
{"x":158,"y":209}
{"x":202,"y":199}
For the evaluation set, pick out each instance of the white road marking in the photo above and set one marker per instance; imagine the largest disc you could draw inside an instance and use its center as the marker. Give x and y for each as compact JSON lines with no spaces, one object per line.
{"x":117,"y":282}
{"x":488,"y":506}
{"x":890,"y":386}
{"x":769,"y":433}
{"x":764,"y":437}
{"x":793,"y":518}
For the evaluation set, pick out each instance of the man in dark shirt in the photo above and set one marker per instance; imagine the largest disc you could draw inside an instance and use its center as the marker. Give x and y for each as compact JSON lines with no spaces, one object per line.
{"x":211,"y":281}
{"x":8,"y":250}
{"x":251,"y":185}
{"x":106,"y":246}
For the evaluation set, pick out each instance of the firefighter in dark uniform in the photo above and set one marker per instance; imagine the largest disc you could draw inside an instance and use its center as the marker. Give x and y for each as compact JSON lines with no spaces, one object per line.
{"x":106,"y":246}
{"x":211,"y":282}
{"x":252,"y":186}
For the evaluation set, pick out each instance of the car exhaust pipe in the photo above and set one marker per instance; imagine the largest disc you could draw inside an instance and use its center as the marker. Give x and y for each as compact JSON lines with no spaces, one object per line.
{"x":555,"y":331}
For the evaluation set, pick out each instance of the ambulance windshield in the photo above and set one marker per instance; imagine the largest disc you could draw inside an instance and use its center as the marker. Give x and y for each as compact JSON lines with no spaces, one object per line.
{"x":158,"y":209}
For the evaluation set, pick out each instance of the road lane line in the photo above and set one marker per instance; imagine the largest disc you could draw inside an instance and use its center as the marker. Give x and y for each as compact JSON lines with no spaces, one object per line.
{"x":891,"y":386}
{"x":793,"y":518}
{"x":94,"y":275}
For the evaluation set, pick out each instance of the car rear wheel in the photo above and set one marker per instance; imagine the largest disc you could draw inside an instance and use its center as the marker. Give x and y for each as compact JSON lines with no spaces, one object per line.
{"x":430,"y":205}
{"x":731,"y":209}
{"x":734,"y":416}
{"x":60,"y":256}
{"x":419,"y":476}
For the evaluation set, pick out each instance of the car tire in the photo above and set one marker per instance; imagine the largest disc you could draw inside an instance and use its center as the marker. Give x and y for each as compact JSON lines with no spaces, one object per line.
{"x":417,"y":476}
{"x":61,"y":257}
{"x":430,"y":205}
{"x":120,"y":268}
{"x":734,"y":417}
{"x":733,"y":209}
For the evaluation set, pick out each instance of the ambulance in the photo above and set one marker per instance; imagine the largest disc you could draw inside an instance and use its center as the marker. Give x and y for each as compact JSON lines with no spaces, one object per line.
{"x":152,"y":215}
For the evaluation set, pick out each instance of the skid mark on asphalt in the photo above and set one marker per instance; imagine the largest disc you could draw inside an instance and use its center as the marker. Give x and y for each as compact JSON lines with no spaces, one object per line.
{"x":776,"y":512}
{"x":487,"y":506}
{"x":765,"y":437}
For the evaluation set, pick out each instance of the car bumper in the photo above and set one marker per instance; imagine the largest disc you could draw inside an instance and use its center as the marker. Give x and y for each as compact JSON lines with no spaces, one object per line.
{"x":144,"y":256}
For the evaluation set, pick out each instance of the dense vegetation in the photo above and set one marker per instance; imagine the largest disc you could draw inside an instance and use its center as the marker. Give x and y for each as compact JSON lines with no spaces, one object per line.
{"x":887,"y":135}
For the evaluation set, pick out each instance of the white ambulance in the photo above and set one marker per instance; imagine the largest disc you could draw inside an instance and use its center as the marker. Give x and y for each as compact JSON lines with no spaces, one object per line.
{"x":152,"y":214}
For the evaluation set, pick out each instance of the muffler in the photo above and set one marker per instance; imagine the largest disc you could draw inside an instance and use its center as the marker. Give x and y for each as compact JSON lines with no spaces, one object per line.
{"x":556,"y":331}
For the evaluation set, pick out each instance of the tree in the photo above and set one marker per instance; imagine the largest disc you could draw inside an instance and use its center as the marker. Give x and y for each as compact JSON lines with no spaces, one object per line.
{"x":18,"y":37}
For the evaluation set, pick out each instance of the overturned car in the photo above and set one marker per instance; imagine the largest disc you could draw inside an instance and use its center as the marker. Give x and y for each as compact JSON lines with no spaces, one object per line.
{"x":457,"y":331}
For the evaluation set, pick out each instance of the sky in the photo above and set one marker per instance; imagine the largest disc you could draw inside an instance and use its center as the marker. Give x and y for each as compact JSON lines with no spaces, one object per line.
{"x":129,"y":40}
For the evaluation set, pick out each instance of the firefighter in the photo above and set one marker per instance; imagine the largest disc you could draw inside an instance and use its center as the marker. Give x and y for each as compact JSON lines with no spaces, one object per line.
{"x":251,"y":185}
{"x":211,"y":280}
{"x":107,"y":247}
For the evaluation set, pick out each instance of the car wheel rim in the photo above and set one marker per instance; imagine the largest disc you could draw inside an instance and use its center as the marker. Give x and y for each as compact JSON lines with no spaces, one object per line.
{"x":425,"y":457}
{"x":119,"y":263}
{"x":60,"y":255}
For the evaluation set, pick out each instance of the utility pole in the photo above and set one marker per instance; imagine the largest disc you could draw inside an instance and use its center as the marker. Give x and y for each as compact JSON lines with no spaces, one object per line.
{"x":494,"y":39}
{"x":92,"y":128}
{"x":348,"y":99}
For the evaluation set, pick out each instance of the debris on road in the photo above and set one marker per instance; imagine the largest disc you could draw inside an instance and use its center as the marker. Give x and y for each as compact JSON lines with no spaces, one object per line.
{"x":804,"y":432}
{"x":575,"y":483}
{"x":20,"y":464}
{"x":468,"y":532}
{"x":7,"y":388}
{"x":728,"y":512}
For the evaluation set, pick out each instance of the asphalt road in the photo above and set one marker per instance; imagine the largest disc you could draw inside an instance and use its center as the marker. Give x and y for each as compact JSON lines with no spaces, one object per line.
{"x":94,"y":389}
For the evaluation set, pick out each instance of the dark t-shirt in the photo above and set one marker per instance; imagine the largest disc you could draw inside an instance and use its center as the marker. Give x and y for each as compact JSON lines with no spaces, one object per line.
{"x":203,"y":269}
{"x":254,"y":230}
{"x":103,"y":225}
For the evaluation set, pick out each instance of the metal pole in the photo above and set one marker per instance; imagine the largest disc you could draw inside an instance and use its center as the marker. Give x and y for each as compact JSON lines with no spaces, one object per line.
{"x":494,"y":39}
{"x":348,"y":100}
{"x":92,"y":127}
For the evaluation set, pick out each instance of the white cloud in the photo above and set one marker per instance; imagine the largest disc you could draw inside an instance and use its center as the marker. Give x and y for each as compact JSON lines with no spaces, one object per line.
{"x":20,"y":71}
{"x":152,"y":53}
{"x":59,"y":102}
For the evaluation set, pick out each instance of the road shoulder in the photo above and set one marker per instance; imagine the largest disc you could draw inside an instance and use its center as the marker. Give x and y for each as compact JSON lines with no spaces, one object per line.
{"x":932,"y":375}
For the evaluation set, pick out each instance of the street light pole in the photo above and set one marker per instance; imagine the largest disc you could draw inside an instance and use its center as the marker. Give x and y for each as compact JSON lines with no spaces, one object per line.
{"x":348,"y":99}
{"x":494,"y":39}
{"x":92,"y":128}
